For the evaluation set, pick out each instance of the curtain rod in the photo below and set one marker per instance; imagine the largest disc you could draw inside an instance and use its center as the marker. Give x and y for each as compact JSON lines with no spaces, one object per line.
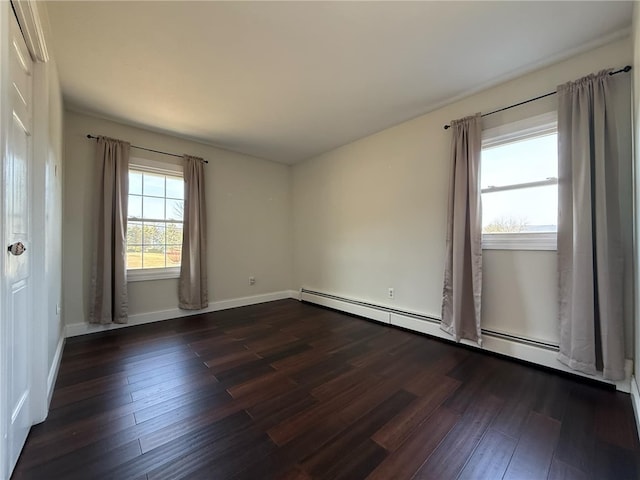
{"x":622,"y":70}
{"x":149,"y":149}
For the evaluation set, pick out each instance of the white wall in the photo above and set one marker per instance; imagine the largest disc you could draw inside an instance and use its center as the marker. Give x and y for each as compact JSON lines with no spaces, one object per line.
{"x":371,"y":214}
{"x":248,"y":209}
{"x":47,"y":201}
{"x":53,"y":217}
{"x":46,"y":224}
{"x":636,"y":258}
{"x":47,"y":194}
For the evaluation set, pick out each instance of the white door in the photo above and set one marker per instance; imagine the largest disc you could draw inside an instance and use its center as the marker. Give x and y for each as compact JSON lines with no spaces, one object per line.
{"x":17,"y":286}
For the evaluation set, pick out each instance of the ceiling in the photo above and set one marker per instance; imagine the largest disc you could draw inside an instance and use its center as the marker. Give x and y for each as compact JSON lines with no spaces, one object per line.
{"x":289,"y":80}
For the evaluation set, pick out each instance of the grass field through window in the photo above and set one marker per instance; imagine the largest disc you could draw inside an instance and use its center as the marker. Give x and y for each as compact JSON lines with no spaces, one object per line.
{"x":153,"y":259}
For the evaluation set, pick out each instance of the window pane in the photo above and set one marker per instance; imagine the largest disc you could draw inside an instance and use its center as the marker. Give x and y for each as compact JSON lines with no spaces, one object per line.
{"x":525,"y":161}
{"x":154,"y":234}
{"x":153,"y":184}
{"x":174,"y":233}
{"x":135,"y":183}
{"x":175,"y":209}
{"x":134,"y":256}
{"x":154,"y":256}
{"x":174,"y":253}
{"x":152,"y":242}
{"x":135,"y":206}
{"x":153,"y":208}
{"x":134,"y":233}
{"x":522,"y":210}
{"x":175,"y":187}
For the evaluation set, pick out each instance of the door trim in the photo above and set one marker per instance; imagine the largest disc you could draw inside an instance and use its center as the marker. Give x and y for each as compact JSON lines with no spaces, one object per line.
{"x":31,"y":25}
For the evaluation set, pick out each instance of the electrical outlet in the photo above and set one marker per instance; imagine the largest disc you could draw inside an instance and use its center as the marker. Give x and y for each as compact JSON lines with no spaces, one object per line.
{"x":391,"y":292}
{"x":252,"y":280}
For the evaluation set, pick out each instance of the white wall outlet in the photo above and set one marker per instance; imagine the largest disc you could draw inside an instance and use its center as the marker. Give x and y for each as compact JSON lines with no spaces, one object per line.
{"x":391,"y":292}
{"x":252,"y":280}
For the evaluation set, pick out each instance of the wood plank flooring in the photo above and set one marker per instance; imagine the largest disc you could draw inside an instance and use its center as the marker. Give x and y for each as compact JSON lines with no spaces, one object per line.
{"x":287,"y":390}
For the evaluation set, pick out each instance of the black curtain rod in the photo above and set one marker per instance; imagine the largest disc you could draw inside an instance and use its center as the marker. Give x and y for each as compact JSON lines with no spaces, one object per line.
{"x":149,"y":149}
{"x":622,"y":70}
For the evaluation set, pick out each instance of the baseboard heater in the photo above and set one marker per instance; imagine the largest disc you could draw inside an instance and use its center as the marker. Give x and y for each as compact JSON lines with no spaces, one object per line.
{"x":527,"y":349}
{"x":425,"y":318}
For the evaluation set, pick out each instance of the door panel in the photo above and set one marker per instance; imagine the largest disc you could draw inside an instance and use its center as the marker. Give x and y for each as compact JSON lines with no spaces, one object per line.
{"x":17,"y":186}
{"x":18,"y":294}
{"x":19,"y":386}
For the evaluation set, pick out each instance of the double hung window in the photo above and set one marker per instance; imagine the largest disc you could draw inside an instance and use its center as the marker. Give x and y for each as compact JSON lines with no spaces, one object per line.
{"x":519,"y":184}
{"x":154,"y":221}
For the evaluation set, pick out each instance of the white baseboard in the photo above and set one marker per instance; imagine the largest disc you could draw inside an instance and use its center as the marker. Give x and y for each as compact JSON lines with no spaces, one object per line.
{"x":430,"y":326}
{"x":53,"y":370}
{"x":294,"y":294}
{"x":82,"y":328}
{"x":635,"y":401}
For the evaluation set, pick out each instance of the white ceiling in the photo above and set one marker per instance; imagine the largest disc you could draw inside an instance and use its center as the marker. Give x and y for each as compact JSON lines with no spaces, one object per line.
{"x":289,"y":80}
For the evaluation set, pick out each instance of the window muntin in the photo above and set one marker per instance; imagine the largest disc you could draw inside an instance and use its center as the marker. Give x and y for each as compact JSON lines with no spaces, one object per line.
{"x":154,"y":222}
{"x":519,"y":185}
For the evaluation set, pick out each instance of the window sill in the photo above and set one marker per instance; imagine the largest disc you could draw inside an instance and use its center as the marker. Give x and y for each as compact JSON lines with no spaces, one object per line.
{"x":142,"y":275}
{"x":519,"y":241}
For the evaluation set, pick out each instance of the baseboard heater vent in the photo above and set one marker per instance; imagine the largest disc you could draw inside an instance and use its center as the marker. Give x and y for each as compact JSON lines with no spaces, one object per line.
{"x":527,"y":349}
{"x":382,"y":308}
{"x":305,"y":293}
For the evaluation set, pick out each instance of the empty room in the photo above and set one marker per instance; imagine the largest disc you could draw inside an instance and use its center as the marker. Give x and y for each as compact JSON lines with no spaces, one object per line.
{"x":319,"y":240}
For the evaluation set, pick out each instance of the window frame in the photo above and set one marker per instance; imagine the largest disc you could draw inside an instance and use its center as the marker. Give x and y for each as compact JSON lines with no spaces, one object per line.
{"x":531,"y":127}
{"x":161,"y":168}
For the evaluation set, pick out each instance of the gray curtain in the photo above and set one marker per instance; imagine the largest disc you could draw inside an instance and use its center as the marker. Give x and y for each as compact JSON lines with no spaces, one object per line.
{"x":192,"y":287}
{"x":108,"y":302}
{"x":590,"y":253}
{"x":462,"y":290}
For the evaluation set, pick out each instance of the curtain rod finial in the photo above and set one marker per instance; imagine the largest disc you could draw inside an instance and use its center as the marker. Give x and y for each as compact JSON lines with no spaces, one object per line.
{"x":447,"y":127}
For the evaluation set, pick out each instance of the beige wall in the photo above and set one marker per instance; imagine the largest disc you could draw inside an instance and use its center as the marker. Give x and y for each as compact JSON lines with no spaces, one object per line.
{"x":248,"y":205}
{"x":360,"y":219}
{"x":371,"y":214}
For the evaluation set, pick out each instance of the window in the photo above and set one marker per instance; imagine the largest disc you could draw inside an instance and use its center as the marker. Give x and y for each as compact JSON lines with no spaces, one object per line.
{"x":155,"y":221}
{"x":519,"y":183}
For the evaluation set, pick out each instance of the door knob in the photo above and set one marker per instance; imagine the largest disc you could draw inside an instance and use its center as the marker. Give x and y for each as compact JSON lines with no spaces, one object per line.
{"x":17,"y":248}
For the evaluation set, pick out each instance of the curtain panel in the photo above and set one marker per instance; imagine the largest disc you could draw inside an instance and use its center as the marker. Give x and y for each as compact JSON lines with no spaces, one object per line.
{"x":192,"y":286}
{"x":108,"y":301}
{"x":462,"y":291}
{"x":590,"y":253}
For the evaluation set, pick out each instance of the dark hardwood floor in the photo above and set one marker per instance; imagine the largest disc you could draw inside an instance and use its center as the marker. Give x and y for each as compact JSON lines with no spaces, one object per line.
{"x":291,"y":391}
